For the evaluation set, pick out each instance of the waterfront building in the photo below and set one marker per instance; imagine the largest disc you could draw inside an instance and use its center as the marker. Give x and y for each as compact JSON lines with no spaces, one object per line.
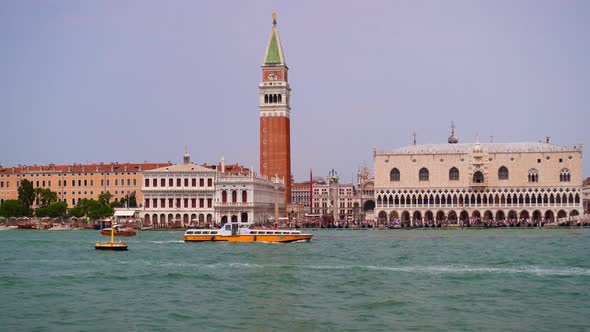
{"x":456,"y":182}
{"x":245,"y":196}
{"x":74,"y":182}
{"x":178,"y":195}
{"x":193,"y":195}
{"x":329,"y":196}
{"x":275,"y":113}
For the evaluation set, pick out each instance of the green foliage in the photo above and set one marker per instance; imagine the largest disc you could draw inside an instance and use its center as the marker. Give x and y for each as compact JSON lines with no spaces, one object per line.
{"x":12,"y":208}
{"x":92,"y":209}
{"x":128,"y":201}
{"x":53,"y":210}
{"x":45,"y":196}
{"x":26,"y":194}
{"x":105,"y":198}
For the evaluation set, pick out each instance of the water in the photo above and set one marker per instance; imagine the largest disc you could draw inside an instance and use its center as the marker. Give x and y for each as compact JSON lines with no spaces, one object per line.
{"x":410,"y":280}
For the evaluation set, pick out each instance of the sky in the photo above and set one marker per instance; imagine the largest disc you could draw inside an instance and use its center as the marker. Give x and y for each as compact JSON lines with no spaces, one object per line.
{"x":134,"y":81}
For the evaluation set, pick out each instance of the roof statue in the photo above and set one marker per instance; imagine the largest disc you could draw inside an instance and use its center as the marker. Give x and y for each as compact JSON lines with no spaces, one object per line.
{"x":477,"y":146}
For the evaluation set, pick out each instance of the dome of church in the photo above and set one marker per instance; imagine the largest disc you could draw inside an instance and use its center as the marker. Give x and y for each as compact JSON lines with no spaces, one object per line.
{"x":453,"y":139}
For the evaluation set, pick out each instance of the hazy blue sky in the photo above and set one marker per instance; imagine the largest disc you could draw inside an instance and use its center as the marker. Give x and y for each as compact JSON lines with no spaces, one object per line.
{"x":89,"y":81}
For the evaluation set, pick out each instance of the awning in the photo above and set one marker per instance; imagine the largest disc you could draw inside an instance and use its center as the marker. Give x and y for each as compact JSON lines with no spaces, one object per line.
{"x":124,"y":213}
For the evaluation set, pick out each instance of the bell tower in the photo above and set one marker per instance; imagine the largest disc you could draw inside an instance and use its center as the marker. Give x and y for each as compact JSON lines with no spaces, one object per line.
{"x":275,"y":110}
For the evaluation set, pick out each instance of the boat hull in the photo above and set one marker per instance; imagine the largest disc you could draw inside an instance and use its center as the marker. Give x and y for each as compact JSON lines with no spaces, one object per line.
{"x":284,"y":238}
{"x":117,"y":233}
{"x":110,"y":246}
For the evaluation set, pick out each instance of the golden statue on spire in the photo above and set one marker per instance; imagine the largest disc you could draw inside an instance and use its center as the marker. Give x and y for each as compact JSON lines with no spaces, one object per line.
{"x":274,"y":18}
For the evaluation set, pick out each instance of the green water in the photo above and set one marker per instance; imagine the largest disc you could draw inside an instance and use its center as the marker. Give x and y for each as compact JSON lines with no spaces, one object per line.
{"x":407,"y":280}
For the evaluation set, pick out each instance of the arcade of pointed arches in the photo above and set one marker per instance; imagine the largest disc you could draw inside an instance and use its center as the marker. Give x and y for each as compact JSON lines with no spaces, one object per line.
{"x":491,"y":204}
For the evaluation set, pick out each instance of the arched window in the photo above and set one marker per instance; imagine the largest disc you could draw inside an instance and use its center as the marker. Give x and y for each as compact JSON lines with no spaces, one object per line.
{"x":533,"y":175}
{"x":503,"y":173}
{"x":423,"y":175}
{"x":224,"y":196}
{"x":266,"y":99}
{"x":244,"y":196}
{"x":274,"y":98}
{"x":394,"y":175}
{"x":454,"y":174}
{"x":478,"y":177}
{"x":234,"y":196}
{"x":280,"y":98}
{"x":564,"y":175}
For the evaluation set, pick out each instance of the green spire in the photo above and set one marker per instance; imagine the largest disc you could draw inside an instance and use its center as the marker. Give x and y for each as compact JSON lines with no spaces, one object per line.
{"x":272,"y":55}
{"x":274,"y":50}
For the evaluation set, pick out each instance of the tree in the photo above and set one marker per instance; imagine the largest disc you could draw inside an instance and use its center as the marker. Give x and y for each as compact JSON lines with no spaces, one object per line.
{"x":26,"y":194}
{"x":12,"y":208}
{"x":92,"y":209}
{"x":129,"y":201}
{"x":53,"y":210}
{"x":105,"y":198}
{"x":45,"y":196}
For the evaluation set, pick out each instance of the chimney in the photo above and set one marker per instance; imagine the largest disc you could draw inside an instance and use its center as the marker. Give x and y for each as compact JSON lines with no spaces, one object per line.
{"x":222,"y":165}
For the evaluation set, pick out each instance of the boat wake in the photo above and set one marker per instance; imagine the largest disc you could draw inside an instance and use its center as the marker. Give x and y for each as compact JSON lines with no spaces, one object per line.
{"x":534,"y":270}
{"x":163,"y":242}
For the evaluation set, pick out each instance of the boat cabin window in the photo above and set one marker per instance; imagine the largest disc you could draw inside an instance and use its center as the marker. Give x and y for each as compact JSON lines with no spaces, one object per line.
{"x":254,"y":232}
{"x":205,"y":232}
{"x":197,"y":232}
{"x":214,"y":232}
{"x":228,"y":227}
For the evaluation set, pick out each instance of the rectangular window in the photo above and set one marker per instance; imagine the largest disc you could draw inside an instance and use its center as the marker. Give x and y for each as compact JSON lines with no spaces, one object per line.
{"x":201,"y":182}
{"x":79,"y":183}
{"x":163,"y":202}
{"x":73,"y":202}
{"x":155,"y":182}
{"x":170,"y":183}
{"x":193,"y":202}
{"x":162,"y":182}
{"x":116,"y":182}
{"x":194,"y":182}
{"x":108,"y":182}
{"x":155,"y":201}
{"x":43,"y":183}
{"x":128,"y":182}
{"x":85,"y":183}
{"x":170,"y":202}
{"x":178,"y":202}
{"x":147,"y":182}
{"x":186,"y":182}
{"x":209,"y":182}
{"x":91,"y":183}
{"x":147,"y":202}
{"x":185,"y":203}
{"x":201,"y":202}
{"x":178,"y":182}
{"x":73,"y":183}
{"x":209,"y":202}
{"x":59,"y":183}
{"x":134,"y":182}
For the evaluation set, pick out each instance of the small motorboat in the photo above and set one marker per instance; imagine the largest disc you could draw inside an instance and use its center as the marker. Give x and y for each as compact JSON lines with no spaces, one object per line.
{"x":119,"y":231}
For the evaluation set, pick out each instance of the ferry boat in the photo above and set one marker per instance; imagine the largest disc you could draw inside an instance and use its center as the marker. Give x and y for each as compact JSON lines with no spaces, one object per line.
{"x":232,"y":232}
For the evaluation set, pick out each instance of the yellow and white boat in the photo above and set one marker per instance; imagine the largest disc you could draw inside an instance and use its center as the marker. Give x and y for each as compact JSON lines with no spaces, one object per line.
{"x":232,"y":232}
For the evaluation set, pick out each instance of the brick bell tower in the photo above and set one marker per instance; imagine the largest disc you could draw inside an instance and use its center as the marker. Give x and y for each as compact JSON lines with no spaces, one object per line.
{"x":275,"y":111}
